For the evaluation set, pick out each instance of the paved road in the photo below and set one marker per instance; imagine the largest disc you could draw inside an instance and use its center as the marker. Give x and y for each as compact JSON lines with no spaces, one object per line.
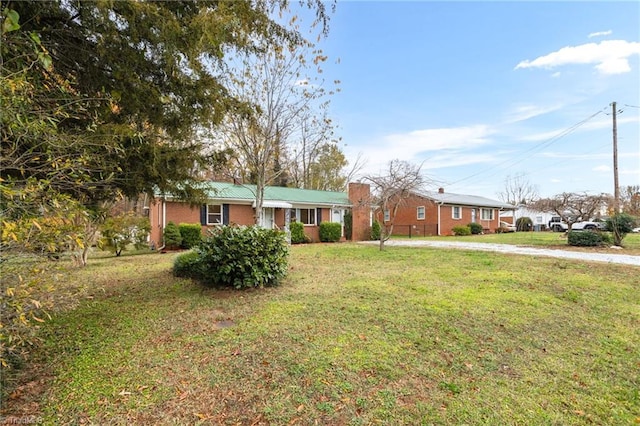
{"x":623,"y":259}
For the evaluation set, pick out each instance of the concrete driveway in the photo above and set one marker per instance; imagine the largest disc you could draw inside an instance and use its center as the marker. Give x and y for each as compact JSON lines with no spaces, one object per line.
{"x":622,"y":259}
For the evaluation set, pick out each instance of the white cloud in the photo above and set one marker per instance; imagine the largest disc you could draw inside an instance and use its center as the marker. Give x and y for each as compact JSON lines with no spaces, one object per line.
{"x":602,"y":168}
{"x":556,"y":74}
{"x":554,"y":180}
{"x":600,"y":33}
{"x":415,"y":146}
{"x":526,"y":112}
{"x":439,"y":139}
{"x":456,"y":159}
{"x":609,"y":56}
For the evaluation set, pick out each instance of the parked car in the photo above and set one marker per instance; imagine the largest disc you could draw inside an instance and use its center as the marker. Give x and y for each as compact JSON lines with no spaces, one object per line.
{"x":556,"y":225}
{"x":507,"y":227}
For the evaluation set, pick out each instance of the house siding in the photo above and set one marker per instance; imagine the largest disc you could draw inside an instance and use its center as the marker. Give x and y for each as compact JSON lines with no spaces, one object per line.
{"x":239,"y":214}
{"x":406,"y":221}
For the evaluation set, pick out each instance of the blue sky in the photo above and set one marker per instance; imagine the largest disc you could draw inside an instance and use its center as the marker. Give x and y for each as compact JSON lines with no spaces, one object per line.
{"x":478,"y":91}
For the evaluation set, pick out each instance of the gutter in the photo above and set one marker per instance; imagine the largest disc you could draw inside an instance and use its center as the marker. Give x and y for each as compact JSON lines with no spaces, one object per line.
{"x":439,"y":205}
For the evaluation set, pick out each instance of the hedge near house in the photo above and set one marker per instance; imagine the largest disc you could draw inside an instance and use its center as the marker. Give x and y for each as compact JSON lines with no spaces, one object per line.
{"x":461,"y":230}
{"x":172,"y":237}
{"x":297,"y":233}
{"x":191,"y":234}
{"x":475,"y":228}
{"x":330,"y":232}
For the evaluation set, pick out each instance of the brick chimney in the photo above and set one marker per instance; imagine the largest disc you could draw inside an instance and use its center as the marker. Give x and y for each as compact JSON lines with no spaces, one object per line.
{"x":440,"y":190}
{"x":360,"y":197}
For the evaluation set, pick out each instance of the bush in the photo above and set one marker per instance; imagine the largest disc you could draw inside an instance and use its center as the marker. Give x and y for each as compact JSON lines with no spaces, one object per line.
{"x":330,"y":232}
{"x":475,"y":228}
{"x":524,"y":224}
{"x":188,"y":265}
{"x":588,"y":238}
{"x":118,"y":232}
{"x":375,"y":231}
{"x":172,"y":238}
{"x":297,"y":233}
{"x":620,"y":225}
{"x":348,"y":225}
{"x":461,"y":230}
{"x":242,"y":257}
{"x":191,"y":234}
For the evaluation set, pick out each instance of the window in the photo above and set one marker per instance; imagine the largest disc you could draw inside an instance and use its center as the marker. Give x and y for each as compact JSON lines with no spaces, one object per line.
{"x":538,"y":219}
{"x":486,"y":214}
{"x":456,"y":212}
{"x":420,"y":213}
{"x":305,"y":216}
{"x":214,"y":214}
{"x":387,"y":216}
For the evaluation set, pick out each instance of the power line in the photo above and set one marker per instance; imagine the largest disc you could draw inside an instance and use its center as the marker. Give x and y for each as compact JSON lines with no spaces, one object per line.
{"x":539,"y":146}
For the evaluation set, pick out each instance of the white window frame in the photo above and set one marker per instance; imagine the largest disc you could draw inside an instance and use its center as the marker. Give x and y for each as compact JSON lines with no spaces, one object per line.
{"x":298,"y":216}
{"x":483,"y":216}
{"x":214,"y":214}
{"x":387,"y":215}
{"x":421,"y":213}
{"x":453,"y":212}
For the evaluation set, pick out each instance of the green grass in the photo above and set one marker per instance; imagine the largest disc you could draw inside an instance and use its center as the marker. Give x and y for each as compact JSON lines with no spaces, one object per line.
{"x":631,"y":242}
{"x":354,"y":336}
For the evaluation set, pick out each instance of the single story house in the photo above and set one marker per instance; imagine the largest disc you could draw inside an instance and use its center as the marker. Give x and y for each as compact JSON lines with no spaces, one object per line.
{"x":540,"y":220}
{"x":232,"y":203}
{"x":436,"y":213}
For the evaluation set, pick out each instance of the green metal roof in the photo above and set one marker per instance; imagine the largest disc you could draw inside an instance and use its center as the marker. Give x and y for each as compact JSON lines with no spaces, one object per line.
{"x":230,"y":192}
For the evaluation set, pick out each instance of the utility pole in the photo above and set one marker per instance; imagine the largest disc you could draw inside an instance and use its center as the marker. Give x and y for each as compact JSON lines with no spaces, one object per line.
{"x":616,"y":189}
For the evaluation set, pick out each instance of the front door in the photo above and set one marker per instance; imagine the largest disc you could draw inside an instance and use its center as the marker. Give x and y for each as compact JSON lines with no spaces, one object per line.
{"x":267,"y":218}
{"x":473,"y":215}
{"x":337,"y":217}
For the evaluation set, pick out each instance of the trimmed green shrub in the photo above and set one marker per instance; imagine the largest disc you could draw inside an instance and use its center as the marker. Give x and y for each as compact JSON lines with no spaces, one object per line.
{"x":524,"y":224}
{"x":375,"y":231}
{"x":188,"y":265}
{"x":588,"y":238}
{"x":475,"y":228}
{"x":297,"y":233}
{"x":172,"y":238}
{"x":348,"y":225}
{"x":243,"y":257}
{"x":191,"y":234}
{"x":330,"y":232}
{"x":461,"y":230}
{"x":620,"y":225}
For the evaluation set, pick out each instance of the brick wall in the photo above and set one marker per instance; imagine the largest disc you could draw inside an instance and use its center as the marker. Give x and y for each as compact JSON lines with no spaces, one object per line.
{"x":360,"y":197}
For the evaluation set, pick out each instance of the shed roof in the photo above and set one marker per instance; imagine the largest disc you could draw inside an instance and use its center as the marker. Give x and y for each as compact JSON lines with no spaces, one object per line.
{"x":464,"y":200}
{"x":232,"y":192}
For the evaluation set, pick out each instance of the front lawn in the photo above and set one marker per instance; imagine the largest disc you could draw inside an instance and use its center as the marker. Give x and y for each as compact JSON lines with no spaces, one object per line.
{"x":354,"y":336}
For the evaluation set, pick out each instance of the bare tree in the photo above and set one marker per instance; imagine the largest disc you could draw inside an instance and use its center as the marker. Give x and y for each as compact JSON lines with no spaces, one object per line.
{"x":277,"y":97}
{"x":572,"y":207}
{"x":518,"y":190}
{"x":391,"y":189}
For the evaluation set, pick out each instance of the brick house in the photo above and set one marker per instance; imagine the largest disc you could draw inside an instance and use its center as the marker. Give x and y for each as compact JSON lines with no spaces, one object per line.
{"x":230,"y":203}
{"x":436,"y":213}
